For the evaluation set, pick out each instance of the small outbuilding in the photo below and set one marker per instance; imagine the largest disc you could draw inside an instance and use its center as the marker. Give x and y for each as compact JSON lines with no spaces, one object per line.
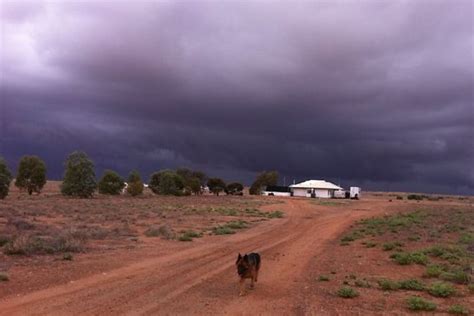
{"x":314,"y":188}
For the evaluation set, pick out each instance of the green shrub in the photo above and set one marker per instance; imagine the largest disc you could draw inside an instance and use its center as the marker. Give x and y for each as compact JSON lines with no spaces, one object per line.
{"x":111,"y":183}
{"x":166,"y":182}
{"x":222,"y":230}
{"x":415,"y":303}
{"x":433,"y":271}
{"x":456,"y":276}
{"x":216,"y":185}
{"x":458,"y":310}
{"x":275,"y":214}
{"x":441,"y":289}
{"x":323,"y":278}
{"x":4,"y":277}
{"x":67,"y":256}
{"x":237,"y":224}
{"x":5,"y":179}
{"x":347,"y":292}
{"x":412,"y":285}
{"x":466,"y":238}
{"x":362,"y":283}
{"x":79,"y":177}
{"x":31,"y":174}
{"x":185,"y":238}
{"x":163,"y":231}
{"x":370,"y":244}
{"x":470,"y":287}
{"x":388,"y":285}
{"x":134,"y":184}
{"x":4,"y":240}
{"x":406,"y":258}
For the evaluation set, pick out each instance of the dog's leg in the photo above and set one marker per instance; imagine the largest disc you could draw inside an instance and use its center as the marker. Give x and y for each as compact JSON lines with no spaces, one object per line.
{"x":252,"y":280}
{"x":256,"y":275}
{"x":242,"y":287}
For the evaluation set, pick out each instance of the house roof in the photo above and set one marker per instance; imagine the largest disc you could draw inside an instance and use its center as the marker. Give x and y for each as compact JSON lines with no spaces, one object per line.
{"x":316,"y":184}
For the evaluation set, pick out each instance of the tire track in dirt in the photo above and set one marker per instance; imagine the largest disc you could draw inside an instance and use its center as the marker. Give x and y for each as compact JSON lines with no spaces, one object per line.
{"x":202,"y":279}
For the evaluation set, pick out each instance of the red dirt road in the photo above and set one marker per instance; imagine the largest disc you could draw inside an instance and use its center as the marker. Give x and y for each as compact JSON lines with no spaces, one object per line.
{"x":201,"y":278}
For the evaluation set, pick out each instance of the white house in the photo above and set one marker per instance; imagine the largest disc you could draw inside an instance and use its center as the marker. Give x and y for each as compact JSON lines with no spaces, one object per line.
{"x":314,"y":188}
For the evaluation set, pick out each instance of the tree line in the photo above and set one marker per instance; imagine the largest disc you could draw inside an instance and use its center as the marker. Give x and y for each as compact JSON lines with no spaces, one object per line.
{"x":80,"y":180}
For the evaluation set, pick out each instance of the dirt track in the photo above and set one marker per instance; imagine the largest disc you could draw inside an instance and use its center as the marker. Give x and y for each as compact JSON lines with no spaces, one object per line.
{"x":202,"y":279}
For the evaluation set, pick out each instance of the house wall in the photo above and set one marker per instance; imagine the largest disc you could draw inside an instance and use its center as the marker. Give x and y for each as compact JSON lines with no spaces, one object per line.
{"x":300,"y":192}
{"x":320,"y":193}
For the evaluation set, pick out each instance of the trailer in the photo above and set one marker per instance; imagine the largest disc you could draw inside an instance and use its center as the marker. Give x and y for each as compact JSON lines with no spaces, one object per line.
{"x":355,"y":193}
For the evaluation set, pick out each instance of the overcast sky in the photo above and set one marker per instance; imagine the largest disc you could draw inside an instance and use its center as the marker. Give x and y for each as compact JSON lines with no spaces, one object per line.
{"x":374,"y":93}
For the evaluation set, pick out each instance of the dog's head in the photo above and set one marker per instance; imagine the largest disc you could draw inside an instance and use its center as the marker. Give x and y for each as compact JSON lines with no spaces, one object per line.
{"x":242,"y":264}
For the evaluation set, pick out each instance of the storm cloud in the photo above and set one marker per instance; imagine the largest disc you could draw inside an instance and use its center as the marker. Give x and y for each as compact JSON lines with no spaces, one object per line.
{"x":374,"y":93}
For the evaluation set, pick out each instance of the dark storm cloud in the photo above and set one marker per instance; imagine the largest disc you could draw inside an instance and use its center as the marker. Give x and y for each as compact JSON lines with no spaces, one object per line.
{"x":374,"y":93}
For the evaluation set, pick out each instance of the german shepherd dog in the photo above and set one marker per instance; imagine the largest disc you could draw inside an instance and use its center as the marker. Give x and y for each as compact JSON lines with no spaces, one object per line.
{"x":247,"y":268}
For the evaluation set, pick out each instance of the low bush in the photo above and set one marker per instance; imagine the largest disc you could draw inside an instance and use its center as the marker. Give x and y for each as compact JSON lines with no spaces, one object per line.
{"x":406,"y":258}
{"x":455,"y":276}
{"x":362,"y":283}
{"x":4,"y":277}
{"x":458,"y":310}
{"x":323,"y":278}
{"x":222,"y":230}
{"x":163,"y":231}
{"x":433,"y":271}
{"x":347,"y":292}
{"x":416,"y":303}
{"x":67,"y":256}
{"x":237,"y":224}
{"x":411,"y":285}
{"x":388,"y":285}
{"x":441,"y":289}
{"x":275,"y":214}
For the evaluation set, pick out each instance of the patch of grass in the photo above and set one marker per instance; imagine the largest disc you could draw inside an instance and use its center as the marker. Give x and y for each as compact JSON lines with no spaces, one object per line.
{"x":388,"y":285}
{"x":370,"y":244}
{"x":188,"y":235}
{"x":434,"y":271}
{"x":458,"y":310}
{"x":163,"y":231}
{"x":67,"y":256}
{"x":441,"y":289}
{"x":470,"y":287}
{"x":275,"y":214}
{"x":388,"y":246}
{"x":222,"y":230}
{"x":237,"y":224}
{"x":466,"y":238}
{"x":416,"y":197}
{"x":411,"y":285}
{"x":362,"y":283}
{"x":347,"y":292}
{"x":4,"y":240}
{"x":406,"y":258}
{"x":416,"y":303}
{"x":4,"y":277}
{"x":455,"y":276}
{"x":323,"y":278}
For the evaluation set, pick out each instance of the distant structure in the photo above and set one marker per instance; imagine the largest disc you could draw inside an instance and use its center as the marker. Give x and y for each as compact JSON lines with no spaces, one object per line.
{"x":313,"y":189}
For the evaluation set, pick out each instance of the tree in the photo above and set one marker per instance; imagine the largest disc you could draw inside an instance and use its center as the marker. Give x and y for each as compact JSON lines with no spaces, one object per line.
{"x":234,"y":188}
{"x":31,"y":175}
{"x":216,"y":185}
{"x":193,"y":185}
{"x":135,"y":184}
{"x":264,"y":179}
{"x":111,"y":183}
{"x":5,"y":179}
{"x":79,"y":177}
{"x":201,"y":176}
{"x":166,"y":182}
